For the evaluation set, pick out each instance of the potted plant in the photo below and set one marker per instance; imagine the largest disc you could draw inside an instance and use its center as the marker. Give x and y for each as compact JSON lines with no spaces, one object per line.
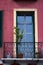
{"x":19,"y":36}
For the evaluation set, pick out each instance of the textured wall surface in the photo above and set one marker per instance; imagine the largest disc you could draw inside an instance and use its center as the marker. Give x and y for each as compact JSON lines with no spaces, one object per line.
{"x":8,"y":6}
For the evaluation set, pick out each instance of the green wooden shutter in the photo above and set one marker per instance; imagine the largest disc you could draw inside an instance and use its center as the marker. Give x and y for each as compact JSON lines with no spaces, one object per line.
{"x":1,"y":19}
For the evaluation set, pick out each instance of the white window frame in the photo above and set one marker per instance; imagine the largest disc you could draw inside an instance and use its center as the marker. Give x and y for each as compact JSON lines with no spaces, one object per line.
{"x":36,"y":29}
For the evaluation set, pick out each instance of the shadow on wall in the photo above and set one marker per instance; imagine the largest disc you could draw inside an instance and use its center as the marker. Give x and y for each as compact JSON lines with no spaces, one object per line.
{"x":24,"y":3}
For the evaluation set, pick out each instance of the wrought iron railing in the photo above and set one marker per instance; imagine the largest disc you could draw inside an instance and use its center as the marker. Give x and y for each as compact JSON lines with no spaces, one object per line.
{"x":38,"y":49}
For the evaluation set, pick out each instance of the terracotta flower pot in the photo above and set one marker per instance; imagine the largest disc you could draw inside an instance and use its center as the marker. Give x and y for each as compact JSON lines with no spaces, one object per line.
{"x":1,"y":64}
{"x":20,"y":55}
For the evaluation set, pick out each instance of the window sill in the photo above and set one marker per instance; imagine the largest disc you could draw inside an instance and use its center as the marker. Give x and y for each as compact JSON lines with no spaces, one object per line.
{"x":22,"y":59}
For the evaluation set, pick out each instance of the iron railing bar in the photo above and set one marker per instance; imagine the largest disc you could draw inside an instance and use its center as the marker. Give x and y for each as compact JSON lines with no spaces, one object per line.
{"x":23,"y":42}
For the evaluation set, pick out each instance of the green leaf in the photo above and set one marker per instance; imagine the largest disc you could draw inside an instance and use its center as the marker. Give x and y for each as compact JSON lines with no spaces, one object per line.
{"x":19,"y":34}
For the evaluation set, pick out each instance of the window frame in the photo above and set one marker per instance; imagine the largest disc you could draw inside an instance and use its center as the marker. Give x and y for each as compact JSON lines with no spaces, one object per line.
{"x":36,"y":28}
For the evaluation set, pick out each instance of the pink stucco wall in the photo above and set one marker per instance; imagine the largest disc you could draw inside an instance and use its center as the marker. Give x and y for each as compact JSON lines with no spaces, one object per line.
{"x":8,"y":6}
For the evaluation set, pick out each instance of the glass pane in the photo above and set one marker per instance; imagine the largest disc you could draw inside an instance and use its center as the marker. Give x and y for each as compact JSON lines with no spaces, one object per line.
{"x":20,"y":19}
{"x":24,"y":37}
{"x":28,"y":19}
{"x":29,"y":38}
{"x":29,"y":29}
{"x":22,"y":28}
{"x":21,"y":47}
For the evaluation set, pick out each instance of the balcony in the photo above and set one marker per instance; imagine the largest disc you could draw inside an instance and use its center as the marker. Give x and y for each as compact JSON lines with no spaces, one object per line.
{"x":8,"y":47}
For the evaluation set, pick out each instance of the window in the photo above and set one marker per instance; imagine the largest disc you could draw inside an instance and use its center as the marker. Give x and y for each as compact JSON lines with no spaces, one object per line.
{"x":26,"y":21}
